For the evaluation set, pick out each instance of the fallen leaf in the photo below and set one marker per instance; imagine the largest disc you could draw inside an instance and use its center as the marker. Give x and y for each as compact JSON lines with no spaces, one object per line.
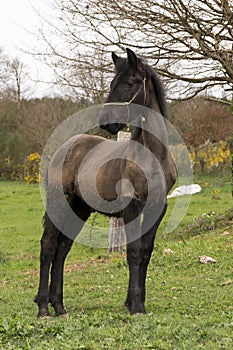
{"x":225,"y":233}
{"x":168,"y":251}
{"x":206,"y":259}
{"x":227,"y":283}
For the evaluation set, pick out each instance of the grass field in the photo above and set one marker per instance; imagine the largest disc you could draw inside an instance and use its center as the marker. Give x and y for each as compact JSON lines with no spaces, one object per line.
{"x":189,"y":304}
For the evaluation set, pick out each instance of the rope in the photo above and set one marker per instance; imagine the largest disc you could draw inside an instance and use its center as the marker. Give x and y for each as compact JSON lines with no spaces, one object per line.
{"x":127,"y":103}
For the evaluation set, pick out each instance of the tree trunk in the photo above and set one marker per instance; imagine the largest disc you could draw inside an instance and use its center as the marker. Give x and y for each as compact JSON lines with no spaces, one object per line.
{"x":117,"y":240}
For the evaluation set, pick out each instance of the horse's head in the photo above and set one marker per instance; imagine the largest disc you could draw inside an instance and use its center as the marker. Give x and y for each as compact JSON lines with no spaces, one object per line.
{"x":128,"y":86}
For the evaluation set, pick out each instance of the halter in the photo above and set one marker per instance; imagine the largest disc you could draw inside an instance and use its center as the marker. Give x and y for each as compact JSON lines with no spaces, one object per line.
{"x":127,"y":103}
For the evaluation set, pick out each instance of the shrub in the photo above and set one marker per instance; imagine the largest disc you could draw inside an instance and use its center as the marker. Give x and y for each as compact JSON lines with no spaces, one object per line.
{"x":31,"y":168}
{"x":11,"y":170}
{"x":208,"y":222}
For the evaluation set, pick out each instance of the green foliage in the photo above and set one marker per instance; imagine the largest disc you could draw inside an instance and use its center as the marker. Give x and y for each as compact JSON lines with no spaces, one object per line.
{"x":189,"y":304}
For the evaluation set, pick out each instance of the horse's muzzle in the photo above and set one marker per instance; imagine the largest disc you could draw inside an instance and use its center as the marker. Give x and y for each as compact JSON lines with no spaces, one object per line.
{"x":112,"y":128}
{"x":108,"y":119}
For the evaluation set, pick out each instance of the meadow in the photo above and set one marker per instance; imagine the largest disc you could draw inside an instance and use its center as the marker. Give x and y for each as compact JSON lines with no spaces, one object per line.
{"x":189,"y":304}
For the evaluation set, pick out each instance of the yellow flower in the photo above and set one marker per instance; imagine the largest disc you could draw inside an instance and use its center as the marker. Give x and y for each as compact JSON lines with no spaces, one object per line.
{"x":31,"y":168}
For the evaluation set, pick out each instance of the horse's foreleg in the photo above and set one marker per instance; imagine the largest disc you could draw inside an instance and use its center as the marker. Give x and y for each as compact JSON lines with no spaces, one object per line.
{"x":133,"y":234}
{"x":146,"y":251}
{"x":134,"y":299}
{"x":147,"y":242}
{"x":48,"y":248}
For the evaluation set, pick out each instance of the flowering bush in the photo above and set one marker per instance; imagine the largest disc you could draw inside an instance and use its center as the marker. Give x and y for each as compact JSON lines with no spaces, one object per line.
{"x":205,"y":223}
{"x":211,"y":157}
{"x":207,"y":159}
{"x":31,"y":168}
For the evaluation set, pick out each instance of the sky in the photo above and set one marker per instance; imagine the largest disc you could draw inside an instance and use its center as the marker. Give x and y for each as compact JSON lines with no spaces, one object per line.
{"x":19,"y":18}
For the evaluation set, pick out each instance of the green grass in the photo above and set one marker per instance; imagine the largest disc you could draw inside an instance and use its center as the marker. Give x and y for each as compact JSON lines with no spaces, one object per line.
{"x":215,"y":196}
{"x":189,"y":305}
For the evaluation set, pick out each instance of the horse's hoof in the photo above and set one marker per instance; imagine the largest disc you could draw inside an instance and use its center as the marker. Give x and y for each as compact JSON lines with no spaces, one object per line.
{"x":127,"y":305}
{"x":44,"y":316}
{"x":43,"y":313}
{"x":63,"y":315}
{"x":138,"y":311}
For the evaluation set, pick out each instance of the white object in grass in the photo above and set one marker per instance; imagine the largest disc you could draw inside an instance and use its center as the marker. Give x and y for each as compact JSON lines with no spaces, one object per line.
{"x":185,"y":190}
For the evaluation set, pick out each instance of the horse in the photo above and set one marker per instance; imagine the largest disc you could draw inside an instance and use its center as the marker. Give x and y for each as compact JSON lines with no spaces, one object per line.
{"x":131,"y":180}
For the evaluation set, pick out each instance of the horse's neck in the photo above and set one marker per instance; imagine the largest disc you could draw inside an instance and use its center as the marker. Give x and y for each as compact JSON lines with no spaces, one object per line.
{"x":157,"y":142}
{"x":154,"y":133}
{"x":154,"y":137}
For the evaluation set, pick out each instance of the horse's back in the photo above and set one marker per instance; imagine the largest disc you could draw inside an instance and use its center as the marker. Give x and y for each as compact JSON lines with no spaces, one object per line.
{"x":67,"y":159}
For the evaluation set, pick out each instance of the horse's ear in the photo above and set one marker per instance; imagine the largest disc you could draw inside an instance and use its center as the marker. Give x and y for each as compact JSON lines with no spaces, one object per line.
{"x":115,"y":58}
{"x":132,"y":58}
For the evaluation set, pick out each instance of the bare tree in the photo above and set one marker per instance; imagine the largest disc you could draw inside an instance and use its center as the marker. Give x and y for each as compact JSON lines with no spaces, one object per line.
{"x":12,"y":77}
{"x":16,"y":70}
{"x":189,"y":41}
{"x":78,"y":69}
{"x":4,"y":73}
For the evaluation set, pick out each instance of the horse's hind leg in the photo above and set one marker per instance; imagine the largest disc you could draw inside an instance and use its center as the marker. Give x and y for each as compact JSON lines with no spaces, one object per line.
{"x":57,"y":270}
{"x":56,"y":284}
{"x":48,"y":249}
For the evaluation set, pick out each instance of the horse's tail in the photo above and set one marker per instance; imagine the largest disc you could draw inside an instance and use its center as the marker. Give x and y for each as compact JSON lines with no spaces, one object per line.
{"x":46,"y":178}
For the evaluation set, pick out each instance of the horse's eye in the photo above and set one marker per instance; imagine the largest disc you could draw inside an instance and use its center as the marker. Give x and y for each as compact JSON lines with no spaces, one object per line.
{"x":129,"y":84}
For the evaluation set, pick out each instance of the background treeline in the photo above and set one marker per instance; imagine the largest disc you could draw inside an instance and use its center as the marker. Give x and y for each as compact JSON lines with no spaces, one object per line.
{"x":26,"y":126}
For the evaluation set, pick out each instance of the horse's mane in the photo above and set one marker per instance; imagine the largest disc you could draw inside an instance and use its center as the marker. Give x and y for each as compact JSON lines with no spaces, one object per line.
{"x":160,"y":95}
{"x":159,"y":89}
